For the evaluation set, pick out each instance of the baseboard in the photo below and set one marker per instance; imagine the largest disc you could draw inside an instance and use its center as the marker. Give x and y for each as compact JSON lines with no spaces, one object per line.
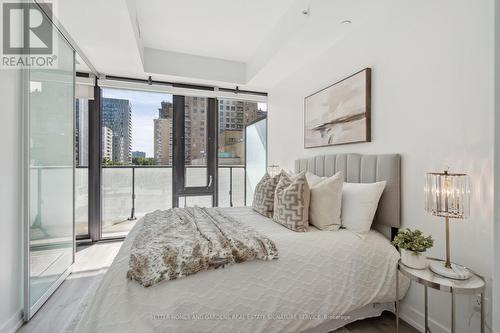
{"x":416,"y":319}
{"x":13,"y":324}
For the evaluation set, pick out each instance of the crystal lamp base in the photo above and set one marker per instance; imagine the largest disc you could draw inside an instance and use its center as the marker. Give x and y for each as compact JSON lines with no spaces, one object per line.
{"x":456,"y":272}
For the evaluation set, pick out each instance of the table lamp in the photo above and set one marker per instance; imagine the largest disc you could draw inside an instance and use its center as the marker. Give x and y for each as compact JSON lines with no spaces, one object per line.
{"x":447,"y":195}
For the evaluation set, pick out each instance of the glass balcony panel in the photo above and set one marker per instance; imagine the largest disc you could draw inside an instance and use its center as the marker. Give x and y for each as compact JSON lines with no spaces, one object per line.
{"x":116,"y":201}
{"x":50,"y":241}
{"x":223,"y":188}
{"x":81,"y":201}
{"x":239,"y":187}
{"x":153,"y":190}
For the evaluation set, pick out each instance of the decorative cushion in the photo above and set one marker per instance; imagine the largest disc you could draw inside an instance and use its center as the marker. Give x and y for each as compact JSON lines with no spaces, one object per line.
{"x":263,"y":198}
{"x":313,"y":179}
{"x":291,"y":202}
{"x":359,"y":205}
{"x":326,"y":201}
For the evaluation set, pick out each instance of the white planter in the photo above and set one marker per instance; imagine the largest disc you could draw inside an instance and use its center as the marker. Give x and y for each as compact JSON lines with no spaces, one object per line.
{"x":414,"y":260}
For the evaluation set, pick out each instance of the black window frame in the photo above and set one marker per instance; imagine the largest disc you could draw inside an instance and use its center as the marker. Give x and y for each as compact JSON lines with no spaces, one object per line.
{"x":95,"y":153}
{"x":179,"y":187}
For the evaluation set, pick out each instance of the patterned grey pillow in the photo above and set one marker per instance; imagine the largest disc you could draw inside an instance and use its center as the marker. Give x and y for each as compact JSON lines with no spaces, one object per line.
{"x":263,"y":198}
{"x":291,"y":202}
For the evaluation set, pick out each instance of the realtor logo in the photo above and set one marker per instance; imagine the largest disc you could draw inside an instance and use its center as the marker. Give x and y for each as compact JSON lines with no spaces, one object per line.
{"x":27,"y":35}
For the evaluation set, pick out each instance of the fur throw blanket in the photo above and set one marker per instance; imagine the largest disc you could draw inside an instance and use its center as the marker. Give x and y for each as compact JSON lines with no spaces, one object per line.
{"x":182,"y":241}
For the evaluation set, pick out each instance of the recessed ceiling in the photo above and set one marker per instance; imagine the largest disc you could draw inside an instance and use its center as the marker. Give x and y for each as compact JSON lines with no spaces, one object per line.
{"x":250,"y":43}
{"x":225,"y":29}
{"x":103,"y":31}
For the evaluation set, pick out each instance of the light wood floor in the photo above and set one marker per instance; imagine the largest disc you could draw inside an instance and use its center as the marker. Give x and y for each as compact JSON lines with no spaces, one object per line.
{"x":383,"y":324}
{"x":91,"y":264}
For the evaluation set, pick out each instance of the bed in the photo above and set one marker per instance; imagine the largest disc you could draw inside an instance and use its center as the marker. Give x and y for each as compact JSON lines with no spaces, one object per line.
{"x":321,"y":281}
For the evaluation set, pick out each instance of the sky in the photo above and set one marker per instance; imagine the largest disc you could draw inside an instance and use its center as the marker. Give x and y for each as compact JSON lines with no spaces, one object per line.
{"x":145,"y":107}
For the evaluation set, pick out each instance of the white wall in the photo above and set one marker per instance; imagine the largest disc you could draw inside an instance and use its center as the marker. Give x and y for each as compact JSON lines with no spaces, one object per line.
{"x":11,"y":279}
{"x":433,"y":102}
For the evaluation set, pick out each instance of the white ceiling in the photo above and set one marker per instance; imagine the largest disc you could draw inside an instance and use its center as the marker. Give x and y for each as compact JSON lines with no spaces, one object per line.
{"x":102,"y":30}
{"x":225,"y":29}
{"x":250,"y":43}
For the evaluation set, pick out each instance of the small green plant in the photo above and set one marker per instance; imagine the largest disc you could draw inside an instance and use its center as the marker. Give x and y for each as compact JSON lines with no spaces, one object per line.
{"x":413,"y":241}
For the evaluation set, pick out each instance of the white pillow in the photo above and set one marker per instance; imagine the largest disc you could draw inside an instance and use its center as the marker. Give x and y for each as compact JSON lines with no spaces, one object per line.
{"x":326,"y":200}
{"x":313,"y":179}
{"x":359,"y":204}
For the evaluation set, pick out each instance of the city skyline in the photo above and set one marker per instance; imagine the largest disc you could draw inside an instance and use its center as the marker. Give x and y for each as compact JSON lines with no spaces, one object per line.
{"x":144,"y":108}
{"x":145,"y":123}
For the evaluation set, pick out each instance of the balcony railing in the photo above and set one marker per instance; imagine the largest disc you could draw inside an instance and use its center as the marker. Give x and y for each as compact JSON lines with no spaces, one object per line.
{"x":129,"y":192}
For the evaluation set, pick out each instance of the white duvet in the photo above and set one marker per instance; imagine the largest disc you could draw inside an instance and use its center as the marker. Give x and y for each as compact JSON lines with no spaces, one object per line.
{"x":319,"y":274}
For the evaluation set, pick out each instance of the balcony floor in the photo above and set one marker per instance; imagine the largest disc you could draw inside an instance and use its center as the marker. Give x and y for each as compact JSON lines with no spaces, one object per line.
{"x":119,"y":229}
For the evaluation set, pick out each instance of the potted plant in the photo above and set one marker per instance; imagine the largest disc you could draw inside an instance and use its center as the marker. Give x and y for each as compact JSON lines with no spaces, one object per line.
{"x":413,"y":246}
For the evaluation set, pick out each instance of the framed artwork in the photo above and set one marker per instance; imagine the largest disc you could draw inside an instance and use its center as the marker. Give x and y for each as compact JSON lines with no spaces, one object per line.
{"x":339,"y":114}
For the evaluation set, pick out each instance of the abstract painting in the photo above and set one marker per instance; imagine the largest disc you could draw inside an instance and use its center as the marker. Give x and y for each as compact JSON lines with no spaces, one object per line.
{"x":339,"y":114}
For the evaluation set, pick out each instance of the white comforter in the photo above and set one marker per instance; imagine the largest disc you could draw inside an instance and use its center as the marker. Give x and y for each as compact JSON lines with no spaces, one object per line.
{"x":318,"y":274}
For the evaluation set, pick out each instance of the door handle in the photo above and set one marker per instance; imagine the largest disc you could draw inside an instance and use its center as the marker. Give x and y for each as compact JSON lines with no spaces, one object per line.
{"x":210,"y":179}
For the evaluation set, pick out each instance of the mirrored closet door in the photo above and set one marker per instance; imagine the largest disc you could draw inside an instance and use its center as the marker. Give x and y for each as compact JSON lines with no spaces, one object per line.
{"x":49,"y":176}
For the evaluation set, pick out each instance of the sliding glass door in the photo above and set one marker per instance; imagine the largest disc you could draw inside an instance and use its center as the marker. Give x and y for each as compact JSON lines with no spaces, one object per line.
{"x":49,"y":178}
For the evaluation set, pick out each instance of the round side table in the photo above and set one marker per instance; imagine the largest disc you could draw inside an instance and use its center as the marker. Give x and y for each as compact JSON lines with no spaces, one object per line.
{"x":472,"y":286}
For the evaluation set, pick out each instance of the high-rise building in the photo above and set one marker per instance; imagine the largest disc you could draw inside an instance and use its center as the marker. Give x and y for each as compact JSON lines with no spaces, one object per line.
{"x":117,"y":115}
{"x":163,"y":141}
{"x":195,"y":132}
{"x":107,"y":143}
{"x":163,"y":134}
{"x":252,"y":112}
{"x":166,"y":110}
{"x":234,"y":115}
{"x":231,"y":115}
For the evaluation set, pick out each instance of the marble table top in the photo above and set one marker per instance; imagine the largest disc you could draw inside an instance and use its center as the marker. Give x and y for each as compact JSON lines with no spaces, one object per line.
{"x":475,"y":284}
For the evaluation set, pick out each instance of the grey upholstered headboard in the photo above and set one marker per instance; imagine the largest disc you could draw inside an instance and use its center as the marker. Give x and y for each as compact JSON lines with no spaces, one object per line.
{"x":364,"y":169}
